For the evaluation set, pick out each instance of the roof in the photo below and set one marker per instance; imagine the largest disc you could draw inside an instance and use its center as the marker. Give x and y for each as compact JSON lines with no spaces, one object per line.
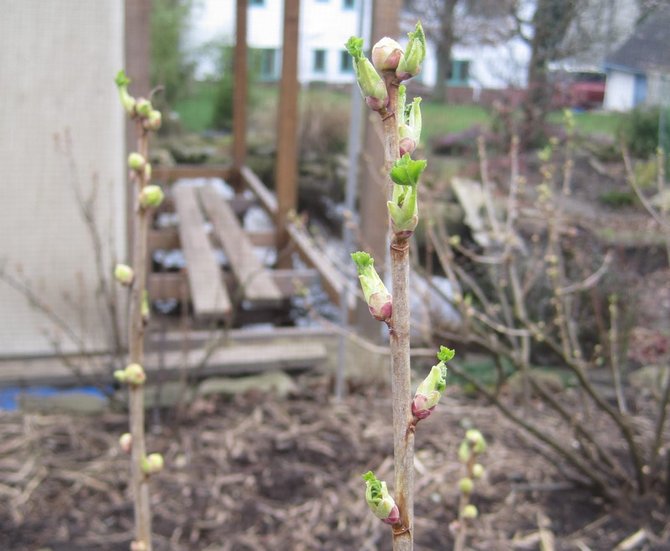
{"x":648,"y":48}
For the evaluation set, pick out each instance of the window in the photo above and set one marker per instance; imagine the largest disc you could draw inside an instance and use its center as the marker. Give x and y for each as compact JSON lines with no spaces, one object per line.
{"x":319,"y":61}
{"x":459,"y":72}
{"x":348,"y":4}
{"x":256,"y":2}
{"x":346,"y":64}
{"x":265,"y":63}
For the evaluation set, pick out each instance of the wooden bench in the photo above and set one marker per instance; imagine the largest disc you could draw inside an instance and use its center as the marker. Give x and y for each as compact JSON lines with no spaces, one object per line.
{"x":208,"y":294}
{"x":255,"y":280}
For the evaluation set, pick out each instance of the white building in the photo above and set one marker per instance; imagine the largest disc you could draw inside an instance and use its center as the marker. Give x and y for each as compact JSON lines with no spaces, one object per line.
{"x":326,"y":25}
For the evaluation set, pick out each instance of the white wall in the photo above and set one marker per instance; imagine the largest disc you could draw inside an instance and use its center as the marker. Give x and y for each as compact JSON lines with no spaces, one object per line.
{"x":619,"y":91}
{"x":57,"y":62}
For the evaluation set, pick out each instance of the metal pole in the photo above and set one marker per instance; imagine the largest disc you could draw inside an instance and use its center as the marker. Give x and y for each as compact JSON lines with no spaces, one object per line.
{"x":349,"y":219}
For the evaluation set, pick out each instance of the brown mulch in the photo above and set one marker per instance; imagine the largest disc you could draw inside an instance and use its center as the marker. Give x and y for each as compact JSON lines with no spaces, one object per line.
{"x":259,"y":473}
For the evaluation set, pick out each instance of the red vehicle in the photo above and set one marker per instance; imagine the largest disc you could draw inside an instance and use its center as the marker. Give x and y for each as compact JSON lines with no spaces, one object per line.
{"x":580,"y":89}
{"x":587,"y":90}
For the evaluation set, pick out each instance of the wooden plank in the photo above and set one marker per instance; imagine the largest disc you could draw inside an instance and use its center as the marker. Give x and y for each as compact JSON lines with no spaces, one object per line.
{"x":265,"y":196}
{"x":167,"y":285}
{"x":331,"y":279}
{"x":171,"y":173}
{"x":253,"y":277}
{"x":165,"y":238}
{"x":210,"y":299}
{"x":234,"y":360}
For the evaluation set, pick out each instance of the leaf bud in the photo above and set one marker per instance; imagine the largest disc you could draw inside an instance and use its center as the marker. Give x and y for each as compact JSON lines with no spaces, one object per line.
{"x":134,"y":374}
{"x":127,"y":101}
{"x":153,"y":463}
{"x":386,"y":54}
{"x":410,"y":63}
{"x":376,"y":295}
{"x":476,"y":441}
{"x":466,"y":485}
{"x":143,"y":107}
{"x":136,"y":162}
{"x":151,"y":196}
{"x":477,"y":470}
{"x":153,"y":120}
{"x":138,"y":546}
{"x":470,"y":512}
{"x":124,"y":274}
{"x":430,"y":390}
{"x":369,"y":81}
{"x":126,"y":442}
{"x":379,"y":500}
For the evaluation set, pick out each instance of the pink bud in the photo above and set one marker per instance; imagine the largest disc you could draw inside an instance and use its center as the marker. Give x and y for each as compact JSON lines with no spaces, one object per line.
{"x":394,"y":516}
{"x":381,"y":306}
{"x":407,"y":145}
{"x":386,"y":54}
{"x":420,"y":408}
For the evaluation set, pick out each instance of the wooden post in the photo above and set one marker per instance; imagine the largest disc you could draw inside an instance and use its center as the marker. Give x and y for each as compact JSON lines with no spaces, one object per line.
{"x":287,"y":128}
{"x":137,"y":58}
{"x":240,"y":92}
{"x":374,"y":192}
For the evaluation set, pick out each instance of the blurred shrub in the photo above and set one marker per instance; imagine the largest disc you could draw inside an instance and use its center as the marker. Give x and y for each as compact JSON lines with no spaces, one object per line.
{"x":639,"y":132}
{"x":324,"y":126}
{"x":617,"y":198}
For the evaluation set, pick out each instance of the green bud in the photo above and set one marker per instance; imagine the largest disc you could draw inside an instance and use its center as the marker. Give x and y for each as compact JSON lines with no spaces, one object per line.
{"x":120,"y":375}
{"x":478,"y":470}
{"x":124,"y":274}
{"x":376,"y":295}
{"x":430,"y":390}
{"x":136,"y":162}
{"x":466,"y":485}
{"x":134,"y":374}
{"x":153,"y":120}
{"x":151,"y":196}
{"x":369,"y":81}
{"x":386,"y":54}
{"x":470,"y":512}
{"x":410,"y":129}
{"x":464,"y":452}
{"x":126,"y":442}
{"x":476,"y":441}
{"x":153,"y":463}
{"x":410,"y":63}
{"x":379,"y":500}
{"x":143,"y":107}
{"x":127,"y":101}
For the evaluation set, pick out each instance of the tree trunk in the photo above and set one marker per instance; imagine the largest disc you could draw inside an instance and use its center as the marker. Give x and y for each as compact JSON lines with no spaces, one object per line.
{"x":445,"y":41}
{"x":550,"y":23}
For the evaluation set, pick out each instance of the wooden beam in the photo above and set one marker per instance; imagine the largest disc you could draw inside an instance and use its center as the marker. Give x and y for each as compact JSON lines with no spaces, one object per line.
{"x":252,"y":276}
{"x":240,"y":68}
{"x":266,"y":198}
{"x":228,"y":360}
{"x":287,"y":128}
{"x":210,"y":299}
{"x":374,"y":194}
{"x":331,"y":278}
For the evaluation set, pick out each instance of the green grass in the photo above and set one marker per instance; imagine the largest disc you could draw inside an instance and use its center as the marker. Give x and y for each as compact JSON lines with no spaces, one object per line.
{"x":438,"y":119}
{"x":589,"y":123}
{"x":196,"y":112}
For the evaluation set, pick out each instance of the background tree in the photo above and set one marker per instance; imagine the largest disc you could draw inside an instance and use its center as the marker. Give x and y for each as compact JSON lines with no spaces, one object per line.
{"x":464,"y":22}
{"x":171,"y":63}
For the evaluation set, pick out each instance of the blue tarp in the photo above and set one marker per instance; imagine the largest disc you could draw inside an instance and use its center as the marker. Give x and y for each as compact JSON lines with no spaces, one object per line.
{"x":9,"y":397}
